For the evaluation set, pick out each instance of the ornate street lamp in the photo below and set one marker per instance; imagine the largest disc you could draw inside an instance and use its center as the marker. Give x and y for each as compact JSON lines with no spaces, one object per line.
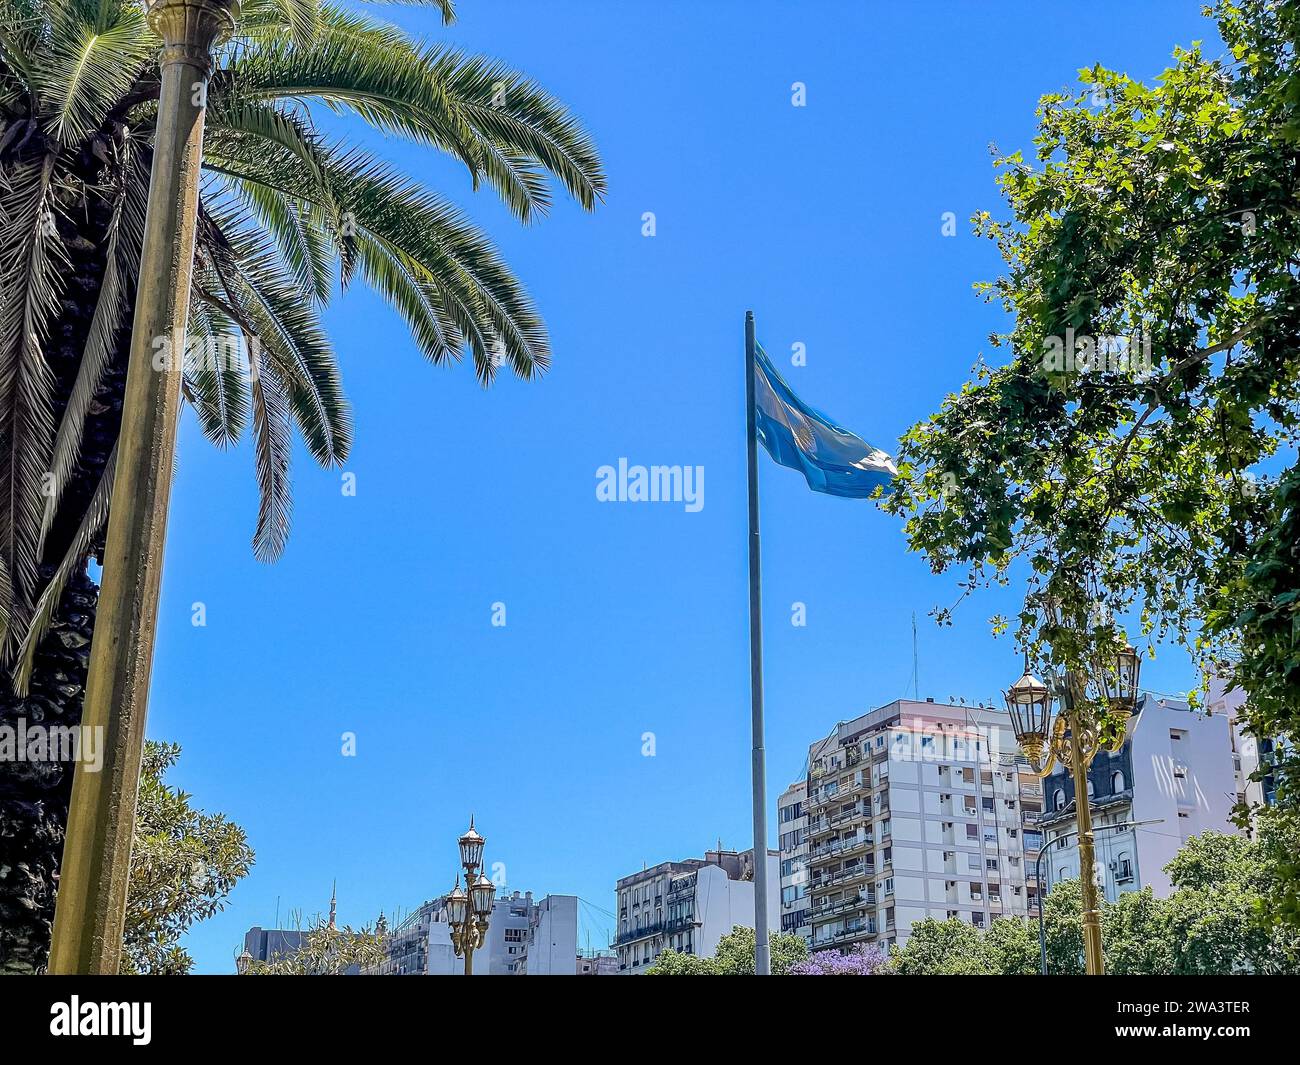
{"x":469,"y":910}
{"x":1075,"y":737}
{"x":1030,"y":705}
{"x":1117,"y":678}
{"x":471,"y":849}
{"x":482,"y":895}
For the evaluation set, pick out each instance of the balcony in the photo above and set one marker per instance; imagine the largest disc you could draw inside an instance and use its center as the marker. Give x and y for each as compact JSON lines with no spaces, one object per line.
{"x":645,"y":932}
{"x":855,"y":901}
{"x":845,"y":876}
{"x":841,"y":848}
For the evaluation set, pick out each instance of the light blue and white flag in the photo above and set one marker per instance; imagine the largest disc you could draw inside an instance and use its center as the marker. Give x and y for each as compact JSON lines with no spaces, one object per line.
{"x":796,"y":435}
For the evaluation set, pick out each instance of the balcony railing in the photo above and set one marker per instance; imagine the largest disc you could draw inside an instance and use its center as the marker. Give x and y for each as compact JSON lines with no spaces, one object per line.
{"x":844,"y":876}
{"x":843,"y":847}
{"x":853,"y":902}
{"x":644,"y":932}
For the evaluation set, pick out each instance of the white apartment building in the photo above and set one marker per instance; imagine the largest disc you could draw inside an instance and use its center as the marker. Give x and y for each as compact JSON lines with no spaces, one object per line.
{"x":1248,"y":753}
{"x":792,"y":825}
{"x":523,"y":938}
{"x":1175,"y":769}
{"x":551,"y":940}
{"x":917,"y":810}
{"x":688,"y":906}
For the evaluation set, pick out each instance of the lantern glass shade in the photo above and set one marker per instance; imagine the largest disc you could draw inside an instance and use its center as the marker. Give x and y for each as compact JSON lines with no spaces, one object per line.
{"x":1117,"y":677}
{"x":1128,"y":665}
{"x":471,"y":848}
{"x":1029,"y":703}
{"x":482,"y":893}
{"x":456,"y":904}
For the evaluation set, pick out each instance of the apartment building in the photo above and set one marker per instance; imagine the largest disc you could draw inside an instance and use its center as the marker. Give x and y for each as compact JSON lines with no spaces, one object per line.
{"x":1249,"y":754}
{"x":551,"y":939}
{"x":792,"y":825}
{"x":524,"y":938}
{"x":1174,"y":771}
{"x":688,"y":906}
{"x":917,"y":810}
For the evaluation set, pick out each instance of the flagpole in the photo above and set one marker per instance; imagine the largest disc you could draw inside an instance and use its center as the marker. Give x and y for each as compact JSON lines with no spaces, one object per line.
{"x":762,"y":951}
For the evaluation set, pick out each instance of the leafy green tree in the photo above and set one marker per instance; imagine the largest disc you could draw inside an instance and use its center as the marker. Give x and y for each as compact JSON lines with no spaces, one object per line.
{"x":1222,"y":883}
{"x":327,"y":951}
{"x":1136,"y":935}
{"x":937,"y":947}
{"x":183,"y":866}
{"x":956,"y":948}
{"x":734,"y":956}
{"x":1120,"y":458}
{"x":289,"y":216}
{"x":1011,"y":947}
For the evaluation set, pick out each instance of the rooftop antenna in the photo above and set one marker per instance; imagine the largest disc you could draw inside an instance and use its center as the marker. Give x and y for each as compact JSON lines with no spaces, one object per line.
{"x":916,"y":669}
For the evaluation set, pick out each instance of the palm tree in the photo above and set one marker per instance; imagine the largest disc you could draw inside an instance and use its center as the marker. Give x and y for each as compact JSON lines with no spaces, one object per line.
{"x":287,"y":217}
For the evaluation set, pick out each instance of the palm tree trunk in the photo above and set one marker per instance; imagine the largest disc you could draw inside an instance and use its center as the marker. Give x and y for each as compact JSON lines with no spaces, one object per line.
{"x":34,"y":795}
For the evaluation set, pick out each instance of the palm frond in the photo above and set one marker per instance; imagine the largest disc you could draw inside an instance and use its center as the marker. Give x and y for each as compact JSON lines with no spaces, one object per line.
{"x":461,"y":273}
{"x":272,"y":445}
{"x":217,"y":392}
{"x":28,"y":640}
{"x":447,"y":7}
{"x":97,"y":55}
{"x":357,"y":65}
{"x":125,"y":236}
{"x":31,"y":262}
{"x":520,"y":120}
{"x":272,"y":311}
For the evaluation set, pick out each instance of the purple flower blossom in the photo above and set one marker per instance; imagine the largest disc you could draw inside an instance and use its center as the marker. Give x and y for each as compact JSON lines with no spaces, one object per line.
{"x":859,"y":960}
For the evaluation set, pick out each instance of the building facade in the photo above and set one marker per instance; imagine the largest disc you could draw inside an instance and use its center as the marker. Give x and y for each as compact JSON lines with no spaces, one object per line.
{"x":917,"y":810}
{"x":792,"y":825}
{"x":523,"y":938}
{"x":1175,"y":771}
{"x":688,"y":906}
{"x":1251,"y":757}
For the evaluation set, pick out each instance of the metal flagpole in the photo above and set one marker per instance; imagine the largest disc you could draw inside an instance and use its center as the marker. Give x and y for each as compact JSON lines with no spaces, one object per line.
{"x":762,"y":951}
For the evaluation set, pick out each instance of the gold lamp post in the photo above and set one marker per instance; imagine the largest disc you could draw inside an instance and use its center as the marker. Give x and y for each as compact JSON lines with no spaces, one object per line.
{"x":468,"y":911}
{"x":1074,"y":737}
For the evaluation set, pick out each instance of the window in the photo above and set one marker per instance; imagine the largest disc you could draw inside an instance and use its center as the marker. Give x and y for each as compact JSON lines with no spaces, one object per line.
{"x":991,"y":863}
{"x":1117,"y":782}
{"x":1124,"y":867}
{"x":1058,"y":798}
{"x":988,"y":805}
{"x":972,"y":832}
{"x":977,"y":919}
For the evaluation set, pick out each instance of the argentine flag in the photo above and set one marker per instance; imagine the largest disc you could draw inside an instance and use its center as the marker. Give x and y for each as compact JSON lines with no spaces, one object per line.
{"x":796,"y":435}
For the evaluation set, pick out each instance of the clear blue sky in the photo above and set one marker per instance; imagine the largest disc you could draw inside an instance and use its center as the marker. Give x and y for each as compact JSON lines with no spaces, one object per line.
{"x":621,"y":619}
